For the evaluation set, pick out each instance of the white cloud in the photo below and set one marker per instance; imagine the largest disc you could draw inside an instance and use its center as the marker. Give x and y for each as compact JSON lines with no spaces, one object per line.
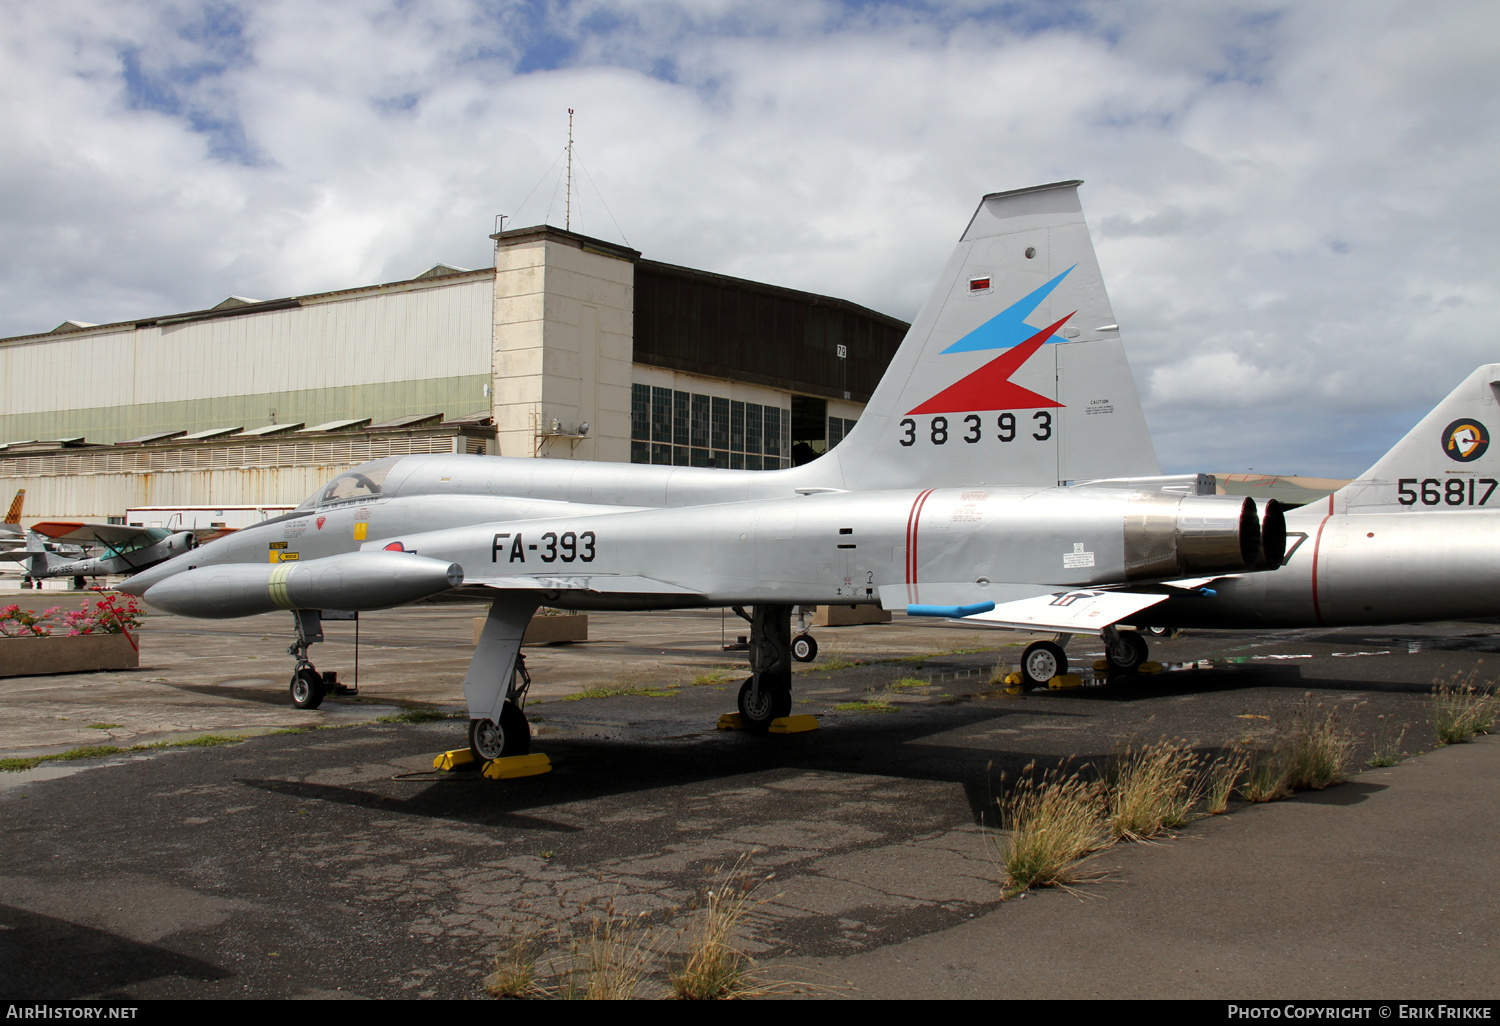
{"x":1293,"y":203}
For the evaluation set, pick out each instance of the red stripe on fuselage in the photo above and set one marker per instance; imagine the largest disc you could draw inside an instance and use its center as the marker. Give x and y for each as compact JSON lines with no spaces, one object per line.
{"x":1317,"y":544}
{"x":912,"y":519}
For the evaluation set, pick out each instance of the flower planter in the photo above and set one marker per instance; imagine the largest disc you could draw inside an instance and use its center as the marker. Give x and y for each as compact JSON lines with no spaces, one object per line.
{"x":548,"y":630}
{"x":850,"y":616}
{"x":83,"y":653}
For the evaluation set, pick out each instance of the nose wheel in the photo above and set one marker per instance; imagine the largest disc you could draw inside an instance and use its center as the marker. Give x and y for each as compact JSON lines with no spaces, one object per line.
{"x":307,"y":687}
{"x":804,"y":648}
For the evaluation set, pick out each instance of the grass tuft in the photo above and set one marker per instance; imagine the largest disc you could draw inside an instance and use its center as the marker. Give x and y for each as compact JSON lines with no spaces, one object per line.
{"x":1054,"y":820}
{"x":670,"y":691}
{"x":875,"y":705}
{"x":715,"y":969}
{"x":1387,"y":748}
{"x":1316,"y":748}
{"x":610,"y":963}
{"x":1153,"y":788}
{"x":514,"y":975}
{"x":839,"y":662}
{"x":1461,"y":710}
{"x":1222,"y":774}
{"x":96,"y":751}
{"x":415,"y":716}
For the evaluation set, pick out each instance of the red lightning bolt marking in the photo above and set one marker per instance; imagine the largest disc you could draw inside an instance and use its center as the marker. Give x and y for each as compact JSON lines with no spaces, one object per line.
{"x":990,"y":387}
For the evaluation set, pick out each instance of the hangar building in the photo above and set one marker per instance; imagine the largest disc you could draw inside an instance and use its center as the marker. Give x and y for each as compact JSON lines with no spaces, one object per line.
{"x":570,"y":347}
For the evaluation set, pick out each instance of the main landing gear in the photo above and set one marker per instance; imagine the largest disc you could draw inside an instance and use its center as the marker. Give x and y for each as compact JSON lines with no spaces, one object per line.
{"x":766,"y":694}
{"x":511,"y":735}
{"x":1124,"y":652}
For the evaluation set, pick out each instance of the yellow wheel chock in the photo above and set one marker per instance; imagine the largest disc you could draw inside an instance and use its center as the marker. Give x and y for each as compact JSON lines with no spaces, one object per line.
{"x":1067,"y":680}
{"x":496,"y":769}
{"x":799,"y":724}
{"x":513,"y":766}
{"x":453,"y":760}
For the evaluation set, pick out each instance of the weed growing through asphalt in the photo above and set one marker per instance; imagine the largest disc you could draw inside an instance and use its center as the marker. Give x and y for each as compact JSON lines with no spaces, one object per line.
{"x":718,"y":675}
{"x":414,"y":716}
{"x":1265,"y":779}
{"x":839,"y":661}
{"x":515,"y":975}
{"x":611,"y":961}
{"x":875,"y":705}
{"x":1387,"y":747}
{"x":1054,"y":820}
{"x":1460,"y":710}
{"x":1317,"y":748}
{"x":669,"y":691}
{"x":715,"y":969}
{"x":97,"y":751}
{"x":1222,"y":774}
{"x":1154,"y":787}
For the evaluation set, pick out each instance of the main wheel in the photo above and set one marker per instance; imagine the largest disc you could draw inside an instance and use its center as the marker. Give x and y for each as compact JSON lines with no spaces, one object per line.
{"x":307,"y":688}
{"x":758,"y":710}
{"x":511,"y":736}
{"x":804,"y":648}
{"x":1128,"y":651}
{"x":1042,"y":661}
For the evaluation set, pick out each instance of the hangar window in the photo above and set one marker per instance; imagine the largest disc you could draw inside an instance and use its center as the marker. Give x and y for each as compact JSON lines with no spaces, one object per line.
{"x":670,"y":427}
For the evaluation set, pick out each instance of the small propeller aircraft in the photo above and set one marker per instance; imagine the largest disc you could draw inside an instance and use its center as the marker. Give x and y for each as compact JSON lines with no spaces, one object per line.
{"x":71,"y":548}
{"x":951,"y":496}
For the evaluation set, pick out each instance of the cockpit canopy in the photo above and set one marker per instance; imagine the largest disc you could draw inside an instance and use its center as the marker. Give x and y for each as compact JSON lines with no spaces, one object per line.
{"x":362,"y":483}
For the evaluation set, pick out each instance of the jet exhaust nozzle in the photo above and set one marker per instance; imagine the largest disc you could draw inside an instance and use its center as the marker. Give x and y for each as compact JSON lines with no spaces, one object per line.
{"x":1169,"y":536}
{"x":351,"y":580}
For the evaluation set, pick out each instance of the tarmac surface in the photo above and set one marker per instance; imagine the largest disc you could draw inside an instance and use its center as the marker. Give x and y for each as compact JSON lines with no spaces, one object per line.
{"x":336,"y":862}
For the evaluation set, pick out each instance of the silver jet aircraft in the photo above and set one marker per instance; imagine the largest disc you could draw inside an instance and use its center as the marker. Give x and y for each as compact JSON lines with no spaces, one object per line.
{"x":947,"y":498}
{"x":1415,"y":538}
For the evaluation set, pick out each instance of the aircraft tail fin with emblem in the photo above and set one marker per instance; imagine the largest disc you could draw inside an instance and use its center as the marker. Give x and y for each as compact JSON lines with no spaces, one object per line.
{"x":1013,"y":372}
{"x":1448,"y":461}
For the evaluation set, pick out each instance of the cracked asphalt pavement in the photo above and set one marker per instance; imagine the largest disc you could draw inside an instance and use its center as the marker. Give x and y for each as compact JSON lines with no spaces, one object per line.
{"x":337,"y":862}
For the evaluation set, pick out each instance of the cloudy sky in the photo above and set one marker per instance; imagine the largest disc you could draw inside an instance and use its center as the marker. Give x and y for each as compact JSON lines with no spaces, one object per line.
{"x":1294,"y":203}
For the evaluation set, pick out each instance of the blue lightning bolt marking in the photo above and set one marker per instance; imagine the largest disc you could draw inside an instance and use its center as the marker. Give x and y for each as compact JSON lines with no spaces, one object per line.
{"x":1008,"y":327}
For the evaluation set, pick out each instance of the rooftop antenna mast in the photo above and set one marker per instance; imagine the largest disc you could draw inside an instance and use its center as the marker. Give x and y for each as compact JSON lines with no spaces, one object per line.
{"x":568,"y":206}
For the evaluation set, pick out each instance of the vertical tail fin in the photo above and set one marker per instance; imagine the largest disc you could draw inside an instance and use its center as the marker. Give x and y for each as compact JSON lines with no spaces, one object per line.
{"x":1447,"y":461}
{"x":14,"y":515}
{"x":1013,"y":372}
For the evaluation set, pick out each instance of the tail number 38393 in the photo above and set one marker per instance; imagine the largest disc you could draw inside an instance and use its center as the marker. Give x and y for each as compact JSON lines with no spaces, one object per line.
{"x":970,"y":429}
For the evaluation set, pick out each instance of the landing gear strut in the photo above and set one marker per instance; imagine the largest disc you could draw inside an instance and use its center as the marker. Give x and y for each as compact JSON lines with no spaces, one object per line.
{"x":511,"y":736}
{"x":766,"y":694}
{"x":804,"y":645}
{"x":307,"y":683}
{"x":1125,"y":651}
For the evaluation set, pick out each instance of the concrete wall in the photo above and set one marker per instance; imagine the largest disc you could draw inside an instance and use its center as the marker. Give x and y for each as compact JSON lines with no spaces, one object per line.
{"x":564,"y":318}
{"x":382,"y":352}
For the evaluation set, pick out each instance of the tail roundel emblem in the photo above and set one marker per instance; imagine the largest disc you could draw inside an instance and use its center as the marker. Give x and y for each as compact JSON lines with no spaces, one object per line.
{"x":1465,"y":440}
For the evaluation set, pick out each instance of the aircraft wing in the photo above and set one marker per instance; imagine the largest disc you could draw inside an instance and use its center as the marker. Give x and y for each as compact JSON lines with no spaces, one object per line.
{"x":1074,"y":611}
{"x":607,"y":584}
{"x":79,"y":531}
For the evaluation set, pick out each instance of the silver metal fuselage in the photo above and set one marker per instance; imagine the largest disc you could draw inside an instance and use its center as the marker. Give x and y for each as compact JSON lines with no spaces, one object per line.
{"x":1360,"y":569}
{"x":932,"y":545}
